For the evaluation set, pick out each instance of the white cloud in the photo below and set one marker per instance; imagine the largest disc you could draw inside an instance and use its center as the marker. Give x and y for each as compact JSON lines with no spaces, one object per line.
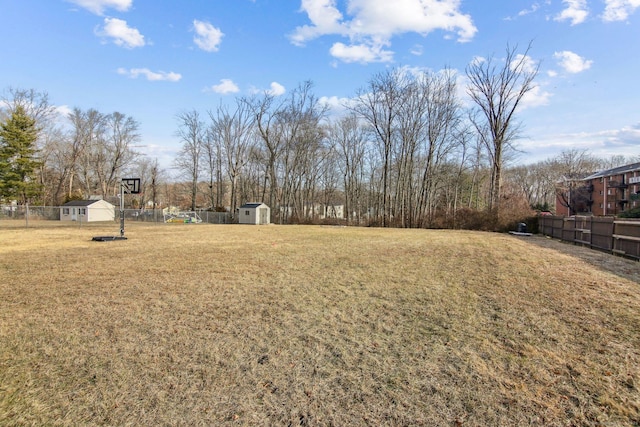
{"x":384,"y":18}
{"x":576,"y":12}
{"x":417,"y":50}
{"x":619,"y":10}
{"x":371,"y":24}
{"x":226,"y":86}
{"x":98,"y":6}
{"x":533,"y":8}
{"x":325,"y":18}
{"x":121,"y":33}
{"x":536,"y":97}
{"x":134,"y":73}
{"x":628,"y":135}
{"x":207,"y":37}
{"x":276,"y":89}
{"x":603,"y":143}
{"x":524,"y":12}
{"x":360,"y":53}
{"x":63,"y":110}
{"x":335,"y":103}
{"x":525,"y":63}
{"x":572,"y":62}
{"x":477,"y":60}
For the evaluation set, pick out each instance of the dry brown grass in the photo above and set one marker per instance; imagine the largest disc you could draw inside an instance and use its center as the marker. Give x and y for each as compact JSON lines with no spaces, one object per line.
{"x":308,"y":325}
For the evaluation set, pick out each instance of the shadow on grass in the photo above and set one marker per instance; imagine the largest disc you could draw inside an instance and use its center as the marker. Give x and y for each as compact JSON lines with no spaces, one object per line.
{"x":622,"y":267}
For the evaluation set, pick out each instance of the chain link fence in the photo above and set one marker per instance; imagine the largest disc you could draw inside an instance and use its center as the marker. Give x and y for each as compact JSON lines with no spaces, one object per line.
{"x":81,"y":215}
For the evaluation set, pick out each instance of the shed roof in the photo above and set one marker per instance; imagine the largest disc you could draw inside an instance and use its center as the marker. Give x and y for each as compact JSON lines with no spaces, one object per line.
{"x":81,"y":203}
{"x":252,"y":205}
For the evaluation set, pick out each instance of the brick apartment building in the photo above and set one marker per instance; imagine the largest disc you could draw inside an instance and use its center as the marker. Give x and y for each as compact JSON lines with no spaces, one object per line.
{"x":608,"y":192}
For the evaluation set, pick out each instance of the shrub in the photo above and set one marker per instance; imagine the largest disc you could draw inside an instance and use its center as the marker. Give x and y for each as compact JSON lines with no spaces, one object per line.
{"x":632,"y":213}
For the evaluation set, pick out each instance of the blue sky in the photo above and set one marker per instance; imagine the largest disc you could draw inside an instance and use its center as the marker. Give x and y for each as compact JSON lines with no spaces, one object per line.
{"x":151,"y":59}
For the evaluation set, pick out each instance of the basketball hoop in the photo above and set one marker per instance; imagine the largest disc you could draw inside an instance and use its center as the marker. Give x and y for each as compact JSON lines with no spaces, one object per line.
{"x":128,"y":186}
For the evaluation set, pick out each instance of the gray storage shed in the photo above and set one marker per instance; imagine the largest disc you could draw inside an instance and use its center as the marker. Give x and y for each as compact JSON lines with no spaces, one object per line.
{"x":254,"y":213}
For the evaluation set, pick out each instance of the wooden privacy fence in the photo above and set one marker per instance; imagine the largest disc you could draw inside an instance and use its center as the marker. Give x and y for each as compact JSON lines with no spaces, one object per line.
{"x":618,"y":236}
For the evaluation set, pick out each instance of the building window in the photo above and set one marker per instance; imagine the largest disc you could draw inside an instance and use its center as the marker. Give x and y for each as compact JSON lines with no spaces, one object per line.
{"x":65,"y":211}
{"x":600,"y":205}
{"x":82,"y":211}
{"x":601,"y":192}
{"x":246,"y":212}
{"x":608,"y":205}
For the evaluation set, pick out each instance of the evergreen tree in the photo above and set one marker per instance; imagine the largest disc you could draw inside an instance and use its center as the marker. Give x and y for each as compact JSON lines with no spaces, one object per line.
{"x":18,"y":157}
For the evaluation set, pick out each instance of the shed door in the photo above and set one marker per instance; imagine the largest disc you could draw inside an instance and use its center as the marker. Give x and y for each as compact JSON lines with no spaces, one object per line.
{"x":74,"y":216}
{"x":263,"y":216}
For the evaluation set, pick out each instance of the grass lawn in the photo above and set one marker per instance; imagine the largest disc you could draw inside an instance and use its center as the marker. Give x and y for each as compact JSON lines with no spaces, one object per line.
{"x":307,"y":325}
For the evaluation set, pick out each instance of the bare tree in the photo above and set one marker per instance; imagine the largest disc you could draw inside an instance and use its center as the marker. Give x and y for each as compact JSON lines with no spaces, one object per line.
{"x":54,"y":143}
{"x":102,"y":147}
{"x":235,"y":132}
{"x":89,"y":128}
{"x":150,"y":174}
{"x":156,"y":174}
{"x":414,"y":117}
{"x":191,"y":131}
{"x":441,"y":134}
{"x":617,"y":161}
{"x":115,"y":151}
{"x":35,"y":104}
{"x":460,"y":172}
{"x":65,"y":152}
{"x":570,"y":168}
{"x":253,"y":177}
{"x":265,"y":112}
{"x":304,"y":152}
{"x":349,"y":137}
{"x":289,"y":130}
{"x":212,"y":154}
{"x":537,"y":182}
{"x":379,"y":104}
{"x":498,"y":89}
{"x":410,"y":130}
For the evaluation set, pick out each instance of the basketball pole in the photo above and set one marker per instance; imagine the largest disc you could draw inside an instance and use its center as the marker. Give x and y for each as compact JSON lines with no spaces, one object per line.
{"x":122,"y":208}
{"x":131,"y":186}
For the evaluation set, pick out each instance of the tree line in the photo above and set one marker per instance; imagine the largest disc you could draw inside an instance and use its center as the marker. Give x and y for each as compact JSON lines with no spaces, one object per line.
{"x":47,"y":161}
{"x":405,"y":152}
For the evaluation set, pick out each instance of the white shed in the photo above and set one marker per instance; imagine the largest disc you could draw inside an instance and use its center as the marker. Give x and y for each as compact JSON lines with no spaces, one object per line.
{"x":254,"y":213}
{"x":87,"y":211}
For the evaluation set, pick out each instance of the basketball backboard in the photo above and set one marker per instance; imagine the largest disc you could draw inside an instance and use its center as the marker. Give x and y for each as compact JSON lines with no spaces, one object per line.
{"x":131,"y":185}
